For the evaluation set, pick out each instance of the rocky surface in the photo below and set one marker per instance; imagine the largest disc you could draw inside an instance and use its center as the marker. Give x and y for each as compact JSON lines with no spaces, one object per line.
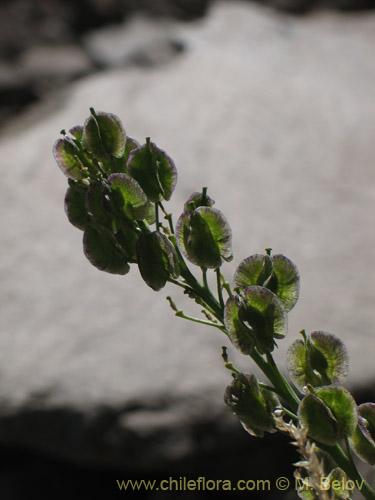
{"x":42,"y":42}
{"x":56,"y":33}
{"x":274,"y":114}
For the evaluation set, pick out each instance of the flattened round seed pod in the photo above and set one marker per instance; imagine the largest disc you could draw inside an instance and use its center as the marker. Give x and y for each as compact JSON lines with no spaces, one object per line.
{"x":251,"y":404}
{"x":363,"y":439}
{"x":65,"y":153}
{"x":204,"y":237}
{"x":254,"y":270}
{"x":285,"y":281}
{"x":154,"y":171}
{"x":323,"y":360}
{"x":157,"y":259}
{"x":255,"y":317}
{"x":104,"y":136}
{"x":75,"y":205}
{"x":132,"y":201}
{"x":329,"y":414}
{"x":103,"y":251}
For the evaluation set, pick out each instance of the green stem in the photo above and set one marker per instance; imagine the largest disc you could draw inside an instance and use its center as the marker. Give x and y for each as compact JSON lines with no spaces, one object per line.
{"x":274,"y":376}
{"x":268,"y":387}
{"x":291,"y":414}
{"x":92,"y":169}
{"x":336,"y":452}
{"x":230,"y":367}
{"x":204,"y":195}
{"x":201,"y":291}
{"x":181,"y":314}
{"x":349,"y":453}
{"x":144,"y":226}
{"x":226,"y":286}
{"x":204,"y":277}
{"x":168,"y":217}
{"x":266,"y":369}
{"x":291,"y":396}
{"x":157,"y":224}
{"x":219,"y":287}
{"x":187,"y":289}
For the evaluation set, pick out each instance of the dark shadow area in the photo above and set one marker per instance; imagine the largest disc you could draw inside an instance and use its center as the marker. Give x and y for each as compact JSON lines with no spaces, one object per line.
{"x":27,"y":475}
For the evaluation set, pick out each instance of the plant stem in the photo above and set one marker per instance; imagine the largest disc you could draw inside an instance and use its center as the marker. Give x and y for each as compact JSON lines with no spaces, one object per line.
{"x":349,"y":453}
{"x":292,"y":399}
{"x":276,"y":378}
{"x":191,"y":291}
{"x":204,"y":278}
{"x":336,"y":452}
{"x":204,"y":195}
{"x":157,"y":224}
{"x":268,"y":366}
{"x":204,"y":293}
{"x":219,"y":287}
{"x":181,"y":314}
{"x":226,"y":285}
{"x":291,"y":414}
{"x":168,"y":217}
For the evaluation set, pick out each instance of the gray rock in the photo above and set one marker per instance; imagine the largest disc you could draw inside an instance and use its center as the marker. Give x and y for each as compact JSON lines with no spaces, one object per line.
{"x":276,"y":116}
{"x":140,"y":41}
{"x":54,"y":62}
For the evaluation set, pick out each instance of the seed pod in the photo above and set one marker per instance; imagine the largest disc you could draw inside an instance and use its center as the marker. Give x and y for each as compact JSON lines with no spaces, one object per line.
{"x":157,"y":259}
{"x":328,"y":414}
{"x":103,"y":250}
{"x":65,"y":152}
{"x":75,"y":205}
{"x":363,"y":439}
{"x":253,"y":405}
{"x":104,"y":136}
{"x":321,"y":360}
{"x":198,"y":200}
{"x":154,"y":171}
{"x":129,"y":197}
{"x":204,"y":237}
{"x":256,"y":317}
{"x":276,"y":272}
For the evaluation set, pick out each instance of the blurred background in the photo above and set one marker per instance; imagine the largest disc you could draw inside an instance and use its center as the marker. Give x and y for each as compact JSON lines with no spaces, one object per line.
{"x":269,"y":104}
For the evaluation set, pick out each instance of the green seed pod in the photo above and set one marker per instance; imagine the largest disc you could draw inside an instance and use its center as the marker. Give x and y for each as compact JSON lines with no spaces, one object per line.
{"x":154,"y":171}
{"x":157,"y":259}
{"x":66,"y":152}
{"x":77,"y":132}
{"x":204,"y":237}
{"x":253,"y":405}
{"x":363,"y":439}
{"x":338,"y":484}
{"x":253,"y":271}
{"x":329,"y":414}
{"x":97,"y":205}
{"x":129,"y":197}
{"x":256,"y":317}
{"x":75,"y":204}
{"x":321,"y":360}
{"x":198,"y":200}
{"x":104,"y":252}
{"x":118,"y":165}
{"x":104,"y":136}
{"x":330,"y":472}
{"x":277,"y":273}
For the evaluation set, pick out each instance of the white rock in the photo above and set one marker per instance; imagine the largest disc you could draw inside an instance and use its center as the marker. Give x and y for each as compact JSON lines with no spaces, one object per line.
{"x":140,"y":40}
{"x":276,"y":116}
{"x":52,"y":61}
